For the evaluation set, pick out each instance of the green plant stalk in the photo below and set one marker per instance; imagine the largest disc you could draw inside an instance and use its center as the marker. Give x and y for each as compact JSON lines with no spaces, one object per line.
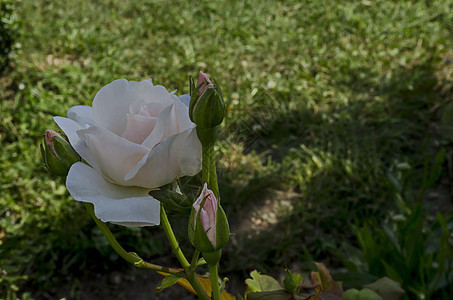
{"x":206,"y":163}
{"x":201,"y":293}
{"x":214,"y":275}
{"x":213,"y":174}
{"x":193,"y":264}
{"x":213,"y":270}
{"x":131,"y":258}
{"x":209,"y":175}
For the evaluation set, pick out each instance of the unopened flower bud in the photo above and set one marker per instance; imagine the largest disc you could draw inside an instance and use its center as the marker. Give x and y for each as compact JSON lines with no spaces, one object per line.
{"x":208,"y":226}
{"x":207,"y":108}
{"x":58,"y":154}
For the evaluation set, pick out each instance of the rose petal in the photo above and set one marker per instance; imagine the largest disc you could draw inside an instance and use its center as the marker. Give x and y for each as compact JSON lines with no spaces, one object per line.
{"x":182,"y":115}
{"x":166,"y":126}
{"x":161,"y":165}
{"x":112,"y":102}
{"x":127,"y":206}
{"x":83,"y":115}
{"x":185,"y":99}
{"x":204,"y":218}
{"x":208,"y":213}
{"x":172,"y":120}
{"x":138,"y":128}
{"x":70,"y":128}
{"x":114,"y":155}
{"x":190,"y":156}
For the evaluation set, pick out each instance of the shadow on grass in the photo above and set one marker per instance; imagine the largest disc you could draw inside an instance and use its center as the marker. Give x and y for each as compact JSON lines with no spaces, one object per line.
{"x":337,"y":160}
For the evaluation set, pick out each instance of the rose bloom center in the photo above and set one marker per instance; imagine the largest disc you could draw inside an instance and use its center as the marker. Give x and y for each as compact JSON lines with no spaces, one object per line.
{"x":141,"y":120}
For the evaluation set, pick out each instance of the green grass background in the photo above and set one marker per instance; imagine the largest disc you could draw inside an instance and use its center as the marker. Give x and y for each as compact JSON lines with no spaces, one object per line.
{"x":324,"y":100}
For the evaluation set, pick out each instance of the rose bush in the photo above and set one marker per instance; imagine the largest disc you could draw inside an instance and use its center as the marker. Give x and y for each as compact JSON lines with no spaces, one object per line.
{"x":136,"y":136}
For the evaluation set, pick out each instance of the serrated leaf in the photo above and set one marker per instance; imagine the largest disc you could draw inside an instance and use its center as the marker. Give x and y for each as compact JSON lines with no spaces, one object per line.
{"x":387,"y":288}
{"x":262,"y":283}
{"x":167,"y":282}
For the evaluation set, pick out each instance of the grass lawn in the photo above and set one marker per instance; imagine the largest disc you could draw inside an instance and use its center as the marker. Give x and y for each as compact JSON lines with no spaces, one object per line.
{"x":327,"y":103}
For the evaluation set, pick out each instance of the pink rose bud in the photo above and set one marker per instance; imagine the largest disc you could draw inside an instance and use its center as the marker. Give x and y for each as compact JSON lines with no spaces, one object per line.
{"x":58,"y":154}
{"x":206,"y":107}
{"x":208,"y":225}
{"x":208,"y":213}
{"x":204,"y":83}
{"x":49,"y":139}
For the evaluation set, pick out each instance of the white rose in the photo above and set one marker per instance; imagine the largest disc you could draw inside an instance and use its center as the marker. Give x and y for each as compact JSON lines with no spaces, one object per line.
{"x":136,"y":137}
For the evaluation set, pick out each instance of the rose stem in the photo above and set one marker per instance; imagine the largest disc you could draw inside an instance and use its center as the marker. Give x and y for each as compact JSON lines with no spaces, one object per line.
{"x":213,"y":174}
{"x":130,"y":258}
{"x":214,"y":281}
{"x":206,"y":161}
{"x":193,"y":264}
{"x":201,"y":293}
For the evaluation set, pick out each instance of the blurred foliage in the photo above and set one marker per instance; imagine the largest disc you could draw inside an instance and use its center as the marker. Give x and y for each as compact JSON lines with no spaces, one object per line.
{"x":9,"y":24}
{"x":411,"y":247}
{"x":318,"y":285}
{"x":323,"y":99}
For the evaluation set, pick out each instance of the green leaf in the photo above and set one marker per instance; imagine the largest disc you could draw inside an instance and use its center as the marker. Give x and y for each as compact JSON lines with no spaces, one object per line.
{"x":368,"y":294}
{"x":391,"y":272}
{"x":352,"y":294}
{"x":387,"y":288}
{"x":190,"y":186}
{"x":174,"y":202}
{"x":325,"y":281}
{"x":447,"y":121}
{"x":270,"y":295}
{"x":292,"y":281}
{"x":262,"y":283}
{"x":326,"y":296}
{"x":205,"y":283}
{"x":201,"y":262}
{"x":354,"y":279}
{"x":167,"y":282}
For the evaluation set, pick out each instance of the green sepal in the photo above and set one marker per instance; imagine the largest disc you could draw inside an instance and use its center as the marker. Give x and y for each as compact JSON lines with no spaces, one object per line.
{"x":212,"y":258}
{"x":59,"y":160}
{"x":209,"y":109}
{"x":197,"y":235}
{"x":174,"y":202}
{"x":201,"y":262}
{"x":194,"y":97}
{"x":222,"y":228}
{"x":192,"y":89}
{"x":207,"y":136}
{"x":53,"y":164}
{"x":65,"y":152}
